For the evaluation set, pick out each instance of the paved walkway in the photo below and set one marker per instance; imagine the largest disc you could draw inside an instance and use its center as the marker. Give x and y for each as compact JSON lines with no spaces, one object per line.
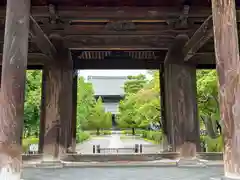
{"x":129,"y":173}
{"x":115,"y":141}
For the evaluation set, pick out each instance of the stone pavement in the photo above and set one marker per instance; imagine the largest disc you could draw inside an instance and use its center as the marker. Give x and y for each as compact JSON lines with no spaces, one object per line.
{"x":115,"y":141}
{"x":127,"y":173}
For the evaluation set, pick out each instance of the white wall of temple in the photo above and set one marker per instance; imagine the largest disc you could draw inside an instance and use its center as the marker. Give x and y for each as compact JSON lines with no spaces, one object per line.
{"x":107,"y":85}
{"x":111,"y":107}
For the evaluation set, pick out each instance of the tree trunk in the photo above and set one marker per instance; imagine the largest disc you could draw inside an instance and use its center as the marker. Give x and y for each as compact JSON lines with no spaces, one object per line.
{"x":133,"y":131}
{"x":228,"y":65}
{"x":98,"y":131}
{"x":14,"y":66}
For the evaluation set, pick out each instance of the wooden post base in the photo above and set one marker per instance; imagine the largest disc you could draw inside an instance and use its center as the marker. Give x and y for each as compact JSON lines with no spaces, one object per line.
{"x":11,"y":162}
{"x":7,"y":173}
{"x":188,"y":150}
{"x":193,"y":162}
{"x":50,"y":164}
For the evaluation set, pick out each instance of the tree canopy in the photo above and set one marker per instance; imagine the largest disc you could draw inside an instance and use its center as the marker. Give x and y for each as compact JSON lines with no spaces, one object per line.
{"x":207,"y":87}
{"x":32,"y":102}
{"x":141,"y":105}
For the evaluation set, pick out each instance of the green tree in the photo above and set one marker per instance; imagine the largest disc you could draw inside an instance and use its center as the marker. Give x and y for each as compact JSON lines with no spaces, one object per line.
{"x":32,"y":102}
{"x":207,"y":87}
{"x":98,"y":119}
{"x":141,"y":105}
{"x":85,"y":103}
{"x":134,"y":83}
{"x":127,"y":117}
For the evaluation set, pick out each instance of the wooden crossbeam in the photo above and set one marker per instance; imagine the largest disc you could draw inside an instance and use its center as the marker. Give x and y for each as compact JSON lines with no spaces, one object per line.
{"x":203,"y":58}
{"x":198,"y":59}
{"x":33,"y":58}
{"x":200,"y":37}
{"x":41,"y":40}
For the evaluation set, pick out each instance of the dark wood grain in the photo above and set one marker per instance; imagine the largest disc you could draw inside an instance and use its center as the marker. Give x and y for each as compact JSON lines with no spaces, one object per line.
{"x":162,"y":100}
{"x":13,"y":84}
{"x":181,"y":103}
{"x":200,"y":37}
{"x":74,"y":111}
{"x":41,"y":40}
{"x":228,"y":65}
{"x":42,"y":113}
{"x":58,"y":102}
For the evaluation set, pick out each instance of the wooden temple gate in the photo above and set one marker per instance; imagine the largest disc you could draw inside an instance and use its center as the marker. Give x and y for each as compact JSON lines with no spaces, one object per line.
{"x":60,"y":36}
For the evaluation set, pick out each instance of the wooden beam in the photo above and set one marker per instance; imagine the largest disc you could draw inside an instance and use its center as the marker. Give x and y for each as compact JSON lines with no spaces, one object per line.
{"x":115,"y":64}
{"x":202,"y":58}
{"x":118,"y":41}
{"x":12,"y":87}
{"x":157,"y":13}
{"x":200,"y":37}
{"x":102,"y":29}
{"x":41,"y":40}
{"x":197,"y":59}
{"x":228,"y":65}
{"x":33,"y":58}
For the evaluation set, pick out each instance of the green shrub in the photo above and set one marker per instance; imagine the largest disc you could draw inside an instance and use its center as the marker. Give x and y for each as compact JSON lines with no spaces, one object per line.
{"x":213,"y":145}
{"x":155,"y":136}
{"x":102,"y":132}
{"x":27,"y":142}
{"x":82,"y":136}
{"x":138,"y":132}
{"x":126,"y":132}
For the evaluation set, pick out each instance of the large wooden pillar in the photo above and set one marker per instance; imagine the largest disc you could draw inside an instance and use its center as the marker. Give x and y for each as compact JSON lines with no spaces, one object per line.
{"x":74,"y":112}
{"x":58,"y":99}
{"x":42,"y":113}
{"x":163,"y":109}
{"x":12,"y":88}
{"x":180,"y":101}
{"x":228,"y":68}
{"x":0,"y":76}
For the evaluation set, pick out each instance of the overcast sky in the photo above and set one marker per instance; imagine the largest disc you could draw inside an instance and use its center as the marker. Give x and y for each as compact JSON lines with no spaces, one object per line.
{"x":86,"y":73}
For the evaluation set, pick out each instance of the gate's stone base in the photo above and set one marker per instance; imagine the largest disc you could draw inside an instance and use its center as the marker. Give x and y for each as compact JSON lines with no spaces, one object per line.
{"x":50,"y":164}
{"x":194,"y":162}
{"x":125,"y":157}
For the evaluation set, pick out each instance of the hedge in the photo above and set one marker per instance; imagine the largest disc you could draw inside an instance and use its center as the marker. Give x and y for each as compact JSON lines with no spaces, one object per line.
{"x":27,"y":142}
{"x":155,"y":136}
{"x":82,"y":136}
{"x":213,"y":145}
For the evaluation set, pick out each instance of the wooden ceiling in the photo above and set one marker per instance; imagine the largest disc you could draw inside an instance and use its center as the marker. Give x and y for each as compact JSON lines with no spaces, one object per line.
{"x":97,"y":25}
{"x":119,"y":3}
